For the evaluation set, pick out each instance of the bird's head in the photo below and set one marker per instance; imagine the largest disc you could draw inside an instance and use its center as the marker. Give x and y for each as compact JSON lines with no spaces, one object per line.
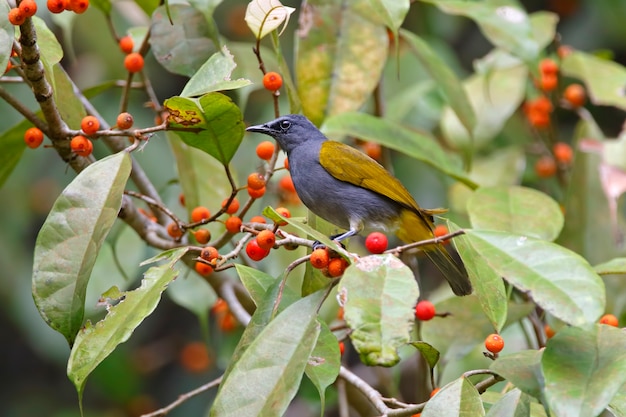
{"x":290,"y":131}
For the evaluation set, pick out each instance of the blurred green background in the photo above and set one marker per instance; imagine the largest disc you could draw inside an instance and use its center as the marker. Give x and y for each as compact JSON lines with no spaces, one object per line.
{"x":146,"y":372}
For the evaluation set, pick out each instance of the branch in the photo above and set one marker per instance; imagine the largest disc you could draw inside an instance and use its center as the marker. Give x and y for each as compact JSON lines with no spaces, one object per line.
{"x":184,"y":397}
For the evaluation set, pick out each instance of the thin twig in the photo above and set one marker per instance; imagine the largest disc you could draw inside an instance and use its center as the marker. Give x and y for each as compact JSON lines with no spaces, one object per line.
{"x":367,"y":390}
{"x":438,"y":239}
{"x":184,"y":397}
{"x":227,"y":291}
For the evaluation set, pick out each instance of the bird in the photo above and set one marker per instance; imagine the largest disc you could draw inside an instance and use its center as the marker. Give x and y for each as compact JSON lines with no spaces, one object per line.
{"x":354,"y":192}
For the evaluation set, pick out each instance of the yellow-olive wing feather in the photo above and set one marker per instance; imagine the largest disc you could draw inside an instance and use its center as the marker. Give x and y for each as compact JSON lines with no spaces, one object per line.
{"x":350,"y":165}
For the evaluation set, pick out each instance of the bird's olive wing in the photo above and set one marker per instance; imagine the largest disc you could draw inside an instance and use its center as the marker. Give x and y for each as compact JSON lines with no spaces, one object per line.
{"x":350,"y":165}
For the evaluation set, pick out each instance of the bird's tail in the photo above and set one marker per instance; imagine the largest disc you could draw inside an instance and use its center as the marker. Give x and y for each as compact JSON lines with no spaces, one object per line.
{"x":416,"y":227}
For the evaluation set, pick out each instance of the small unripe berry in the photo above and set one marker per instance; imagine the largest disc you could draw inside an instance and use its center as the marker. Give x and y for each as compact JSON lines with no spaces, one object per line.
{"x":272,"y":81}
{"x":33,"y":137}
{"x":200,"y":213}
{"x":494,"y":343}
{"x":90,"y":125}
{"x":265,"y":150}
{"x":232,"y":207}
{"x":133,"y":62}
{"x":81,"y":145}
{"x":320,"y":258}
{"x":424,"y":310}
{"x":376,"y":242}
{"x":266,"y":239}
{"x":127,"y":44}
{"x":233,"y":224}
{"x":255,"y":252}
{"x":125,"y":121}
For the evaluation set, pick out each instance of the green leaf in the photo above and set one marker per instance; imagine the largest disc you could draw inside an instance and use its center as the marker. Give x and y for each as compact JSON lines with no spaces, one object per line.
{"x":70,"y":238}
{"x":265,"y":16}
{"x":70,"y":107}
{"x":214,"y":75}
{"x":256,"y":282}
{"x":488,"y":285}
{"x":522,"y":369}
{"x":458,"y":398}
{"x":428,"y":352}
{"x":380,"y":313}
{"x":12,"y":147}
{"x":103,"y":5}
{"x":513,"y":404}
{"x":394,"y":136}
{"x":447,"y":81}
{"x":557,"y":279}
{"x":193,"y":293}
{"x":340,"y":58}
{"x":604,"y":79}
{"x":506,"y":27}
{"x":324,"y":363}
{"x":181,"y":47}
{"x":391,"y":13}
{"x":148,"y":6}
{"x":584,"y":368}
{"x":217,"y":121}
{"x":266,"y":377}
{"x":543,"y":27}
{"x":515,"y":209}
{"x":614,"y":266}
{"x":494,"y":96}
{"x":94,"y":343}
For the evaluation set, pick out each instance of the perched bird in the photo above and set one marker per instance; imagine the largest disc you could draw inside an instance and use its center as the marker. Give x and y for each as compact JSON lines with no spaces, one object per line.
{"x":351,"y":190}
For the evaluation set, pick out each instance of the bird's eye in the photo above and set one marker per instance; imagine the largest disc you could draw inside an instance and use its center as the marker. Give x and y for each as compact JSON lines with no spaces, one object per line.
{"x":285,"y":124}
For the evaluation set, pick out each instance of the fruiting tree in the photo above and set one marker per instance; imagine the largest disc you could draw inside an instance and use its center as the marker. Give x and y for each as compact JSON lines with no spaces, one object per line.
{"x":533,"y":206}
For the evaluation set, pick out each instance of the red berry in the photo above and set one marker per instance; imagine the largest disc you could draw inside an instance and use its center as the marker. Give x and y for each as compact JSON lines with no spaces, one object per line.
{"x":133,"y":62}
{"x":33,"y":137}
{"x":272,"y":81}
{"x":125,"y":121}
{"x":425,"y":310}
{"x":376,"y":242}
{"x":265,"y":150}
{"x":90,"y":125}
{"x":255,"y":252}
{"x":494,"y":343}
{"x":127,"y":44}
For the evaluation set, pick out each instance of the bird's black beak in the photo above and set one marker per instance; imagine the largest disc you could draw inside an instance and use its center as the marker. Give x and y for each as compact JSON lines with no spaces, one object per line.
{"x":259,"y":129}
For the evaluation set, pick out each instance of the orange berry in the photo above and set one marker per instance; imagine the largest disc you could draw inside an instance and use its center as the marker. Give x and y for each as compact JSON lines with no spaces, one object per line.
{"x":545,"y":167}
{"x":55,"y":6}
{"x":232,"y":207}
{"x":194,"y":357}
{"x":340,"y":313}
{"x":9,"y":66}
{"x":209,"y":253}
{"x":563,"y":51}
{"x":219,"y":307}
{"x":266,"y":239}
{"x":90,"y":125}
{"x":434,"y":392}
{"x":33,"y":137}
{"x":255,"y":252}
{"x":203,"y":269}
{"x":610,"y":320}
{"x":549,"y":331}
{"x":440,"y":230}
{"x":272,"y":81}
{"x":542,"y":104}
{"x":200,"y":213}
{"x":202,"y":236}
{"x":494,"y":343}
{"x":258,"y":219}
{"x":548,"y":82}
{"x":373,"y":150}
{"x":286,"y":184}
{"x":256,"y":181}
{"x":28,"y":7}
{"x":336,"y":267}
{"x":79,"y":6}
{"x":126,"y":45}
{"x":283,"y":212}
{"x":125,"y":121}
{"x":181,"y":199}
{"x":538,"y":119}
{"x":133,"y":62}
{"x":227,"y":322}
{"x":16,"y":16}
{"x":575,"y":95}
{"x":265,"y":150}
{"x":286,"y":164}
{"x":342,"y":348}
{"x":320,"y":258}
{"x":563,"y":153}
{"x":174,"y":231}
{"x":256,"y":193}
{"x":548,"y":66}
{"x":233,"y":224}
{"x":81,"y":145}
{"x":67,"y":5}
